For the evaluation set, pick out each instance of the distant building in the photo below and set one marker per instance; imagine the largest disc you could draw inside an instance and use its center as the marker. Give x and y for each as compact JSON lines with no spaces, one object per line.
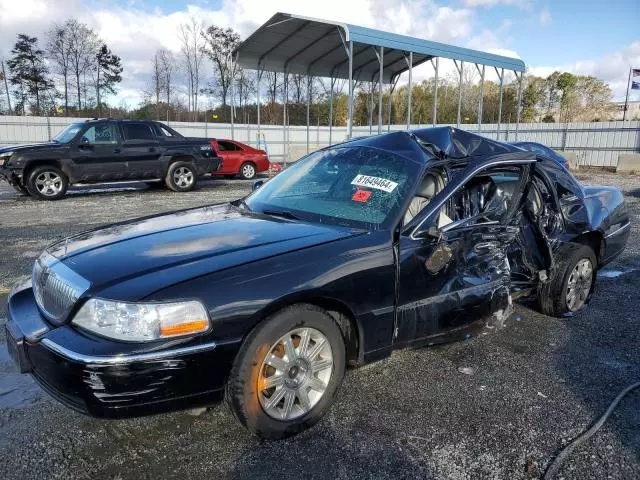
{"x":633,"y":110}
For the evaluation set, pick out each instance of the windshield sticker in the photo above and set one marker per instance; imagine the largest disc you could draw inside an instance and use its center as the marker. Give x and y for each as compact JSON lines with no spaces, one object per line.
{"x":374,"y":182}
{"x":361,"y":196}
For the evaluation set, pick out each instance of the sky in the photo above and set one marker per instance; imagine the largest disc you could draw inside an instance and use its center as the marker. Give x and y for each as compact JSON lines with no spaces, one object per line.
{"x":587,"y":37}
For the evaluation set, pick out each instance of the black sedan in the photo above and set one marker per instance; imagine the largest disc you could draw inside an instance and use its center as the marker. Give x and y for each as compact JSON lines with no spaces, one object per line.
{"x":404,"y":239}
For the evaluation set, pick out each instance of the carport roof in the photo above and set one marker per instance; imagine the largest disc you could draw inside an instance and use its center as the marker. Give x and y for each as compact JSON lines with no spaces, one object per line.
{"x":305,"y":45}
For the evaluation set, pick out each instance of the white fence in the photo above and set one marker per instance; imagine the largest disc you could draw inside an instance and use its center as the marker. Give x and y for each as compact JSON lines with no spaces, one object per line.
{"x":597,"y":144}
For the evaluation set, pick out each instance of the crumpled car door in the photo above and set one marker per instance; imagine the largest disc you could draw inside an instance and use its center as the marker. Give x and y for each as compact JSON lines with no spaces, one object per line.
{"x":455,"y":272}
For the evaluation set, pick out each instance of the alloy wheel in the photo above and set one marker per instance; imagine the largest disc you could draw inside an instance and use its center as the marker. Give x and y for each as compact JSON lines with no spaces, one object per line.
{"x":248,"y":171}
{"x":295,"y":373}
{"x":49,"y":184}
{"x":183,"y":177}
{"x":579,"y":285}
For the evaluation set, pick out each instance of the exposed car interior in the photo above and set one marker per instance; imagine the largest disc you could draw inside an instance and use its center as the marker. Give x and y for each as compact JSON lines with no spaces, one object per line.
{"x":484,"y":198}
{"x":431,"y":185}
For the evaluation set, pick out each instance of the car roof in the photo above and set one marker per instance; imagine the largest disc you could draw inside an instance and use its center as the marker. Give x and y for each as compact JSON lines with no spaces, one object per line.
{"x":454,"y":143}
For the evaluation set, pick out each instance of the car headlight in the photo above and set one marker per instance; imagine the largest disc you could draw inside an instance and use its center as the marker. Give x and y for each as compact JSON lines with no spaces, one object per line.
{"x":141,"y":322}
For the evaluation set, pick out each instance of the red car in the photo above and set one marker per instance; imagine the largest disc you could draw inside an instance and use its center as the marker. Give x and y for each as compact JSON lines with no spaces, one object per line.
{"x":239,"y":159}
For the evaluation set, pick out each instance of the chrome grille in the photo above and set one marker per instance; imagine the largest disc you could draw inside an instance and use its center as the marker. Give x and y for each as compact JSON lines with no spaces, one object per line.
{"x":56,"y":287}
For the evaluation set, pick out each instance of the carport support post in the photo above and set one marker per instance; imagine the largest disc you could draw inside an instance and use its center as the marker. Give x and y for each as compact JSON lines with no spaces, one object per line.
{"x":381,"y":58}
{"x":460,"y":71}
{"x":371,"y":109}
{"x":258,"y":98}
{"x":519,"y":101}
{"x":501,"y":77}
{"x":350,"y":119}
{"x":410,"y":87}
{"x":394,"y":82}
{"x":308,"y":107}
{"x":436,"y":67}
{"x":232,"y":88}
{"x":331,"y":83}
{"x":285,"y":140}
{"x":481,"y":101}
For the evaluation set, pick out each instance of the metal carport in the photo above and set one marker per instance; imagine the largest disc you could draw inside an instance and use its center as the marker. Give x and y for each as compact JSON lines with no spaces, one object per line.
{"x":289,"y":43}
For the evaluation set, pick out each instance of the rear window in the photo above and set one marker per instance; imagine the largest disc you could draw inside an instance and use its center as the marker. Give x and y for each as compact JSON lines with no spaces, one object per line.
{"x":137,"y":131}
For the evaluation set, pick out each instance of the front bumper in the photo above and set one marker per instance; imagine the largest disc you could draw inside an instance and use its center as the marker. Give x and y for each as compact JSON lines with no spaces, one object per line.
{"x":9,"y":175}
{"x":112,"y":379}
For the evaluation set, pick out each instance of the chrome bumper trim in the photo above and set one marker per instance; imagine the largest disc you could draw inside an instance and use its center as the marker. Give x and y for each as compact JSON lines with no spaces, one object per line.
{"x":619,"y":230}
{"x":124,"y":359}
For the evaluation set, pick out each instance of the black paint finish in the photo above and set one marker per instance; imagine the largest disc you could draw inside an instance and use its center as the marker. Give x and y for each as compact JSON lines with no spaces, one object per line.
{"x":396,"y":286}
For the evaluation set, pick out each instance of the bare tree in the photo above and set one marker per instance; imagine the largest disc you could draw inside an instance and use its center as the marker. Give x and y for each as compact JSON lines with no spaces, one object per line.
{"x":59,"y":52}
{"x":190,"y":35}
{"x":83,"y":46}
{"x":3,"y":74}
{"x":246,"y":88}
{"x":274,"y":85}
{"x":157,"y":80}
{"x":167,"y":67}
{"x":220,"y":44}
{"x":297,"y":87}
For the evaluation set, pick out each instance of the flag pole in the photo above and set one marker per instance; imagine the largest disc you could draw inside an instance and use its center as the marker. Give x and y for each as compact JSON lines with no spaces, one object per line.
{"x":626,"y":100}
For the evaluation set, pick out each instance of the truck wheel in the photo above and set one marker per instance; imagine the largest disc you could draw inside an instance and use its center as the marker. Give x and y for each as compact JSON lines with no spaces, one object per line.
{"x":47,"y":183}
{"x":248,"y":170}
{"x":569,"y":289}
{"x":181,"y":177}
{"x":287,"y":372}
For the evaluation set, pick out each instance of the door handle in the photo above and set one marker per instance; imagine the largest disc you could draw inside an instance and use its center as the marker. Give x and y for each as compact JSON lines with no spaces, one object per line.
{"x":152,"y":149}
{"x":116,"y":150}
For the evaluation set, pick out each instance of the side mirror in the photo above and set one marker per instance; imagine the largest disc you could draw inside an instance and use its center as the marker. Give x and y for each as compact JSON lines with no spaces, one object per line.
{"x":256,"y":185}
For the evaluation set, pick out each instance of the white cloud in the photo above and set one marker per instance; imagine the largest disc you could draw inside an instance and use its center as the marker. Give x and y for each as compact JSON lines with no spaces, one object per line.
{"x":612,"y":68}
{"x":493,"y":3}
{"x":135,"y":33}
{"x":545,"y":16}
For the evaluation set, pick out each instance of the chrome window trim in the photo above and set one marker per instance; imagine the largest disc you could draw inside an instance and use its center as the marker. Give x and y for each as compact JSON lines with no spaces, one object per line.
{"x":619,"y":230}
{"x":124,"y":359}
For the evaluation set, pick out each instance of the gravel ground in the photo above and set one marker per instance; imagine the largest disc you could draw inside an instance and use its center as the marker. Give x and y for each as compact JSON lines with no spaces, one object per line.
{"x":533,"y":386}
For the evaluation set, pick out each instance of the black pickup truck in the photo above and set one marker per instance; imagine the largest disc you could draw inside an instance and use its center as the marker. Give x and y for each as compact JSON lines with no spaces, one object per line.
{"x":108,"y":151}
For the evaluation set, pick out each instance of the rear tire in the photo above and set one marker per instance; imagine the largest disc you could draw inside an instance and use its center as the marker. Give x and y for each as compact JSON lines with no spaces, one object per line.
{"x":306,"y":375}
{"x":47,"y":183}
{"x":181,"y":177}
{"x":571,"y":286}
{"x":248,"y":170}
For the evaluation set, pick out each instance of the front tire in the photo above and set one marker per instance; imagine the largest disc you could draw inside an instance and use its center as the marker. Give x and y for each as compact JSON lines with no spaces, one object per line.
{"x":181,"y":177}
{"x":248,"y":170}
{"x":572,"y":284}
{"x":47,"y":183}
{"x":287,"y":372}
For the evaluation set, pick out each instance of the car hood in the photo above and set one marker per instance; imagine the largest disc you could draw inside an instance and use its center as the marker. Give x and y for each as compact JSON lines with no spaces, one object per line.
{"x":32,"y":146}
{"x":190,"y":243}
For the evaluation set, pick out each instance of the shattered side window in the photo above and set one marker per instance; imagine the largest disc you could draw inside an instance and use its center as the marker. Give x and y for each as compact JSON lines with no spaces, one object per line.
{"x":563,"y":181}
{"x":487,"y":197}
{"x":359,"y":186}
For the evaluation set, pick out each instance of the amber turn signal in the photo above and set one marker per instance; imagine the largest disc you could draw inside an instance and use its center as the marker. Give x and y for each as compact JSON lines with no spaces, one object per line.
{"x":194,"y":326}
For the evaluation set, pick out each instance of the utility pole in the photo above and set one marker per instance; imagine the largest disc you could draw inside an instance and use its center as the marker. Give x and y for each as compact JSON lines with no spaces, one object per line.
{"x":626,"y":100}
{"x":6,"y":86}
